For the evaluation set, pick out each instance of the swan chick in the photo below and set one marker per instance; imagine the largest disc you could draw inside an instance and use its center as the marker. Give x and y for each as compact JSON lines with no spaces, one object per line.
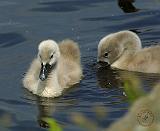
{"x":123,"y":50}
{"x":56,"y":67}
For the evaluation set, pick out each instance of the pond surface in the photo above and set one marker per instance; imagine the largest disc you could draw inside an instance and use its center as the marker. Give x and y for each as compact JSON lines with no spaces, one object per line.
{"x":23,"y":24}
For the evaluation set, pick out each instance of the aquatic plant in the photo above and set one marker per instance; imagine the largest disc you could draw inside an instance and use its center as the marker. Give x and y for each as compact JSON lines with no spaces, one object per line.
{"x":132,"y":87}
{"x":53,"y":125}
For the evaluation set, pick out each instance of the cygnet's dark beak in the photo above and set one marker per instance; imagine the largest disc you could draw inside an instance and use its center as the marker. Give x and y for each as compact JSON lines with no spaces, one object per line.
{"x":103,"y":59}
{"x":45,"y":70}
{"x":101,"y":64}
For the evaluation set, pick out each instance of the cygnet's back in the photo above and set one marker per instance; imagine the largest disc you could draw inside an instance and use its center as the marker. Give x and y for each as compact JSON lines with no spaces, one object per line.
{"x":70,"y":50}
{"x":70,"y":65}
{"x":146,"y":60}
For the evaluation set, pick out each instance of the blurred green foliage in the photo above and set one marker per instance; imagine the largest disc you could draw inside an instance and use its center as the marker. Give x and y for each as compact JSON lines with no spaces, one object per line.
{"x":53,"y":125}
{"x":84,"y":122}
{"x":132,"y":87}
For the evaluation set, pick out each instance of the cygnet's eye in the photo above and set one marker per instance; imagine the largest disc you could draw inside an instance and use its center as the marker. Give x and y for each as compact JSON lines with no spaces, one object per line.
{"x":106,"y":54}
{"x":51,"y":56}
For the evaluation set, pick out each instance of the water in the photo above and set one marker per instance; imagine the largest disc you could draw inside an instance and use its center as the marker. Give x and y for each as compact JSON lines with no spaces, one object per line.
{"x":23,"y":24}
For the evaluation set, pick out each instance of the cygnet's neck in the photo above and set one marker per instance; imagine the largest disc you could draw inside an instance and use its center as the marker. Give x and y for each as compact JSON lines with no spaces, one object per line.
{"x":123,"y":61}
{"x":54,"y":73}
{"x":54,"y":76}
{"x":125,"y":54}
{"x":51,"y":81}
{"x":130,"y":42}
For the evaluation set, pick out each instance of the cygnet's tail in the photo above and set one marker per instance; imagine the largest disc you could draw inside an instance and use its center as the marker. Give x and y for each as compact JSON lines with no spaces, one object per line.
{"x":70,"y":50}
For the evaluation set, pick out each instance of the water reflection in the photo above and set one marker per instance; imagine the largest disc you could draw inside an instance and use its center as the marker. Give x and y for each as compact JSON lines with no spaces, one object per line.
{"x":46,"y":107}
{"x":66,"y":6}
{"x":69,"y":6}
{"x":5,"y":119}
{"x":107,"y":77}
{"x":11,"y":39}
{"x":127,"y":6}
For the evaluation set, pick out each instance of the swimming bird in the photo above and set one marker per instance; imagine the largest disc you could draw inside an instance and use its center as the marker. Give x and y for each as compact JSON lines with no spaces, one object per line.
{"x":124,"y":50}
{"x":56,"y":67}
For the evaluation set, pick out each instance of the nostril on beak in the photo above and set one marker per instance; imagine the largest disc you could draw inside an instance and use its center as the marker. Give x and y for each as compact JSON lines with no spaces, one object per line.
{"x":42,"y":77}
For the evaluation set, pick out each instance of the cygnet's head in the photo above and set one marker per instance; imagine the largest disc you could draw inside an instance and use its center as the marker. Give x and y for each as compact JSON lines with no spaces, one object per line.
{"x":113,"y":46}
{"x":48,"y":54}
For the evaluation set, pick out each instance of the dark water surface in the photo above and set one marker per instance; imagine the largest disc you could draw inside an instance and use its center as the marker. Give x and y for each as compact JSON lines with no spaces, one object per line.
{"x":23,"y":24}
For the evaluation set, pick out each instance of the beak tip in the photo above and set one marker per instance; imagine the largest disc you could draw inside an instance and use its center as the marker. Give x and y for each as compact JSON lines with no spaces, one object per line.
{"x":42,"y":77}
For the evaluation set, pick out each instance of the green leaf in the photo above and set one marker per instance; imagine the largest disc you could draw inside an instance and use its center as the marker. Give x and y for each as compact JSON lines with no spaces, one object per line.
{"x":53,"y":125}
{"x":132,"y":87}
